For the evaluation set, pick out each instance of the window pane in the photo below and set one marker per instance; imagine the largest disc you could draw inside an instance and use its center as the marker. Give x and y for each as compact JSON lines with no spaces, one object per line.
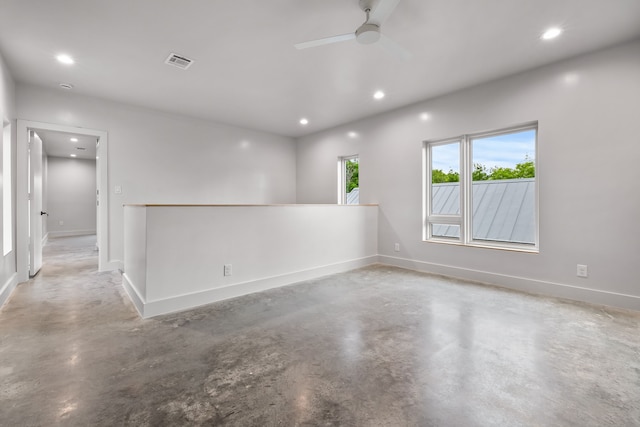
{"x":503,"y":192}
{"x":351,"y":181}
{"x":445,"y":179}
{"x":445,"y":231}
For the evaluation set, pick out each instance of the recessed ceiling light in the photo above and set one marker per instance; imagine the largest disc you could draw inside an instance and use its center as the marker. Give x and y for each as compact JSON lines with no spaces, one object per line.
{"x":571,"y":78}
{"x":353,"y":134}
{"x":304,"y":122}
{"x":378,"y":95}
{"x":424,"y":117}
{"x":551,"y":33}
{"x":73,"y":155}
{"x":65,"y":59}
{"x":74,"y":139}
{"x":67,"y":86}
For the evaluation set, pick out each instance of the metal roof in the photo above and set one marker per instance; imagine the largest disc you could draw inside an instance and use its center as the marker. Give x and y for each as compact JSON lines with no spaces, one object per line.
{"x":503,"y":210}
{"x":353,"y":197}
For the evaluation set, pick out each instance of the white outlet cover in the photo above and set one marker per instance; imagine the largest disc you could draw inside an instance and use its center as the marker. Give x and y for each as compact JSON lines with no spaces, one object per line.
{"x":582,"y":270}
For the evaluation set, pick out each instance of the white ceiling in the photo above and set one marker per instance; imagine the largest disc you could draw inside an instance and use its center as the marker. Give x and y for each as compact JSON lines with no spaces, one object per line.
{"x":59,"y":144}
{"x":248,"y":73}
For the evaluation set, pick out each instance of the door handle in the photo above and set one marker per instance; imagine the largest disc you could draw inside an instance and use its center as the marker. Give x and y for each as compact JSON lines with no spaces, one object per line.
{"x":44,"y":213}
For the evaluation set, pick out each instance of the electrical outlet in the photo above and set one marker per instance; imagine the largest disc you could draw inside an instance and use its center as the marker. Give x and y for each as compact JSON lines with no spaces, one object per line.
{"x":227,"y":270}
{"x":582,"y":271}
{"x":61,"y":222}
{"x":397,"y":247}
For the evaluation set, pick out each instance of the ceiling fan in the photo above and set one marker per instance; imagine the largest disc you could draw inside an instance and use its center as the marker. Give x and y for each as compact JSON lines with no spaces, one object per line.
{"x":368,"y":33}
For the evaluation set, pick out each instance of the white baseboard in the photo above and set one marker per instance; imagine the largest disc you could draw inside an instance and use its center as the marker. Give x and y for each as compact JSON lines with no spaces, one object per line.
{"x":7,"y":288}
{"x":148,"y":309}
{"x":70,"y":233}
{"x":184,"y":302}
{"x":134,"y":296}
{"x":532,"y":286}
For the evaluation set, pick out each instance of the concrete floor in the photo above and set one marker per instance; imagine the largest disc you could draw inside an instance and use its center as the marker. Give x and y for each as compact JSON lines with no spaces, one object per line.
{"x":378,"y":346}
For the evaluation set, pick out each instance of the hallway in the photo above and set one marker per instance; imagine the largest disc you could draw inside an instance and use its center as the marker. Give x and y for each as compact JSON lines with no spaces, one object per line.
{"x":378,"y":346}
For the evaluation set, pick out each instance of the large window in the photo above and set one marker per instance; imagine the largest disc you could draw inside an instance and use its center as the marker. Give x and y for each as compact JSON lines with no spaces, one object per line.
{"x":480,"y":189}
{"x":348,"y":180}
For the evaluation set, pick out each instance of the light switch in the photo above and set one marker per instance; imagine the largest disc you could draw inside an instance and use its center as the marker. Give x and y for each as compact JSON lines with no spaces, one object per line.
{"x":117,"y":189}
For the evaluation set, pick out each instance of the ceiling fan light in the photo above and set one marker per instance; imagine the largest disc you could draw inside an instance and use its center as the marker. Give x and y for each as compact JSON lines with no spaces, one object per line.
{"x":368,"y":34}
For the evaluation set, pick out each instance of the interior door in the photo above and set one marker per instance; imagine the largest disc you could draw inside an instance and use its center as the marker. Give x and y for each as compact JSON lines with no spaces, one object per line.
{"x":36,"y":216}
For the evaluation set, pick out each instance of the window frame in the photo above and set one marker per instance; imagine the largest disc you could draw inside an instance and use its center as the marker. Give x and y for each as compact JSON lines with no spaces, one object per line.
{"x":465,"y":218}
{"x":342,"y":177}
{"x":429,"y":219}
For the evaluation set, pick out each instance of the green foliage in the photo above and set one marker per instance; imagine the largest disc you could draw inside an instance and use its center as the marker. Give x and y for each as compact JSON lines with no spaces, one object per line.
{"x":479,"y":172}
{"x":526,"y":169}
{"x":352,"y":175}
{"x":502,"y":173}
{"x":437,"y":176}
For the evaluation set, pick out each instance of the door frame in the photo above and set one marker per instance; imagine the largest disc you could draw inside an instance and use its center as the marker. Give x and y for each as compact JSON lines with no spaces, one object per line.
{"x":36,"y":189}
{"x":22,"y":191}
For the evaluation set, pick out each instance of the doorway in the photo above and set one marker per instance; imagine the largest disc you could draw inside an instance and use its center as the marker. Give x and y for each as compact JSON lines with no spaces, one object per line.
{"x":28,"y":245}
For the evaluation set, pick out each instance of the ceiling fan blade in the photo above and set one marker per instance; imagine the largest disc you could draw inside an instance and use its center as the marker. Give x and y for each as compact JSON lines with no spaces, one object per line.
{"x":394,"y":48}
{"x":326,"y":40}
{"x":382,"y":10}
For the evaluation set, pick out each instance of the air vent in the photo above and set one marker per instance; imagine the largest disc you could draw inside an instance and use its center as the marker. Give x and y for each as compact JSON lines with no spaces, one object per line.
{"x":178,"y":61}
{"x":80,"y":148}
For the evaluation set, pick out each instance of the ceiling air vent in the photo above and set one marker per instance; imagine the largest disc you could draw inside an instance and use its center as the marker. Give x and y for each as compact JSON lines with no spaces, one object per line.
{"x":178,"y":61}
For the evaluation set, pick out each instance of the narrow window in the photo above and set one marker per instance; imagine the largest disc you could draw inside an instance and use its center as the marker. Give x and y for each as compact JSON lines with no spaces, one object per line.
{"x":445,"y":190}
{"x":7,"y":190}
{"x":481,"y":189}
{"x":348,"y":180}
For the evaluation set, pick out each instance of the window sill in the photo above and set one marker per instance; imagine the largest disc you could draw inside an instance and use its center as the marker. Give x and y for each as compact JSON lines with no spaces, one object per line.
{"x":514,"y":248}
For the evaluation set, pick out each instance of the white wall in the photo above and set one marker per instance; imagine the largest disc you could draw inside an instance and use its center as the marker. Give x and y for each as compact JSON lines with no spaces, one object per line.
{"x":175,"y":255}
{"x":588,"y":112}
{"x":8,"y":277}
{"x":71,"y":196}
{"x":158,"y":157}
